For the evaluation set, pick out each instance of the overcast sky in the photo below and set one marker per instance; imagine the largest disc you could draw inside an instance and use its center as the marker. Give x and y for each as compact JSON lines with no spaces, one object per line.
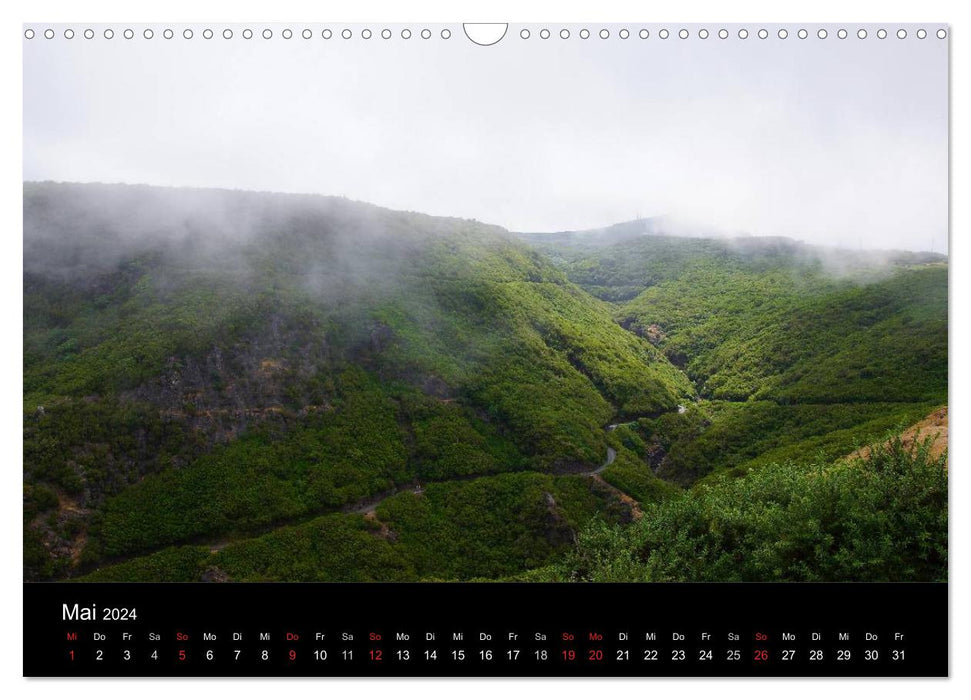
{"x":830,"y":141}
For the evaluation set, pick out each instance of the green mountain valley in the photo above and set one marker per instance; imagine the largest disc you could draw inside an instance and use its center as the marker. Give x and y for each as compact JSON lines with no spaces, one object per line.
{"x":241,"y":386}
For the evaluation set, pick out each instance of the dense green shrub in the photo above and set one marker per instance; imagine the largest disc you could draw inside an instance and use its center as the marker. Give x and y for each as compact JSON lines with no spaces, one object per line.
{"x":343,"y":548}
{"x":879,"y":519}
{"x":173,"y":564}
{"x":488,"y":527}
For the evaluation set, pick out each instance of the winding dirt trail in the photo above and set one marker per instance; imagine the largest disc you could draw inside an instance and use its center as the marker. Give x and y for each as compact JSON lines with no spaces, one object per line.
{"x":611,"y":456}
{"x":368,"y":506}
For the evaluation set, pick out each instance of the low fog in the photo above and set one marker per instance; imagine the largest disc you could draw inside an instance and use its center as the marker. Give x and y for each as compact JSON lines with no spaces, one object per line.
{"x":331,"y":246}
{"x":831,"y":142}
{"x":841,"y":260}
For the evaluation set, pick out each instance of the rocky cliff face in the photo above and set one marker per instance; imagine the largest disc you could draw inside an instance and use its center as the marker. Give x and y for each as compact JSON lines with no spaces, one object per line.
{"x":274,"y":373}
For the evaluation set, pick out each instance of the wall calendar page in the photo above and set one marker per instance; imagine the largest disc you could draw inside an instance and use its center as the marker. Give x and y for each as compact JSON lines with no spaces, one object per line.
{"x":489,"y":350}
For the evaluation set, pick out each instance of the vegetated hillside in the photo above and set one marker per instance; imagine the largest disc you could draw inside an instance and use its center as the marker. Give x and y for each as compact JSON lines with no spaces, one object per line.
{"x":797,"y":352}
{"x":247,"y":386}
{"x":225,"y":369}
{"x":882,"y":518}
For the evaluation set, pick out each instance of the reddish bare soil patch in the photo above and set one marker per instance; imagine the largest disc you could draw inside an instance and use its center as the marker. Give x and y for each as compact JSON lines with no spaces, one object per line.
{"x":934,"y":427}
{"x":635,"y":508}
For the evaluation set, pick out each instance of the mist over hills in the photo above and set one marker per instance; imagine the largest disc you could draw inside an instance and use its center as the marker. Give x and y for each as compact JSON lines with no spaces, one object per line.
{"x":255,"y":386}
{"x":739,"y":242}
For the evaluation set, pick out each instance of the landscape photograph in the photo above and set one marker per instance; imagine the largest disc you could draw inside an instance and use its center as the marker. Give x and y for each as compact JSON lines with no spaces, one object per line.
{"x":428,"y":311}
